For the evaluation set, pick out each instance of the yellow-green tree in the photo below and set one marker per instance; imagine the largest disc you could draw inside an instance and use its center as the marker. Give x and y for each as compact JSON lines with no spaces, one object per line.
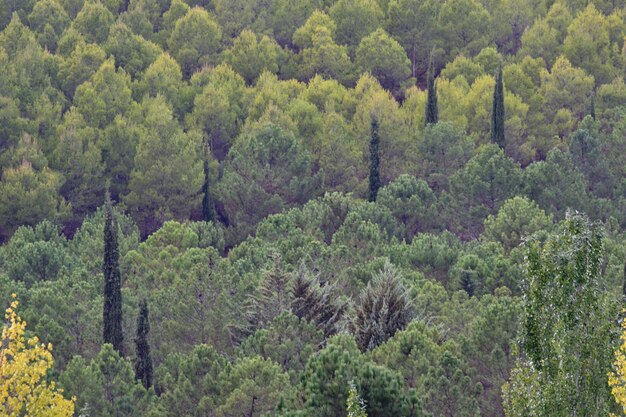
{"x":24,"y":363}
{"x":617,"y":377}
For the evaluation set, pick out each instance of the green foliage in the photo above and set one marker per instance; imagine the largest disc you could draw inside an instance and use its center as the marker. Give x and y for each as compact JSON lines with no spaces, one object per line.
{"x":194,"y":40}
{"x":83,"y":61}
{"x":106,"y":385}
{"x":327,"y":380}
{"x":412,"y":203}
{"x":35,"y":254}
{"x":167,"y":176}
{"x":189,"y":383}
{"x":78,"y":158}
{"x":230,"y":132}
{"x":383,"y":57}
{"x":219,"y":110}
{"x":287,"y":340}
{"x":250,"y":55}
{"x":443,"y":149}
{"x":143,"y":362}
{"x":432,"y":111}
{"x":497,"y":115}
{"x":355,"y":19}
{"x":93,"y":22}
{"x":112,"y":316}
{"x":49,"y":20}
{"x":29,"y":196}
{"x":383,"y":309}
{"x":132,"y":52}
{"x":207,"y":201}
{"x":355,"y":406}
{"x":488,"y":179}
{"x":517,"y":219}
{"x":374,"y":177}
{"x":254,"y":386}
{"x":325,"y":57}
{"x":278,"y":174}
{"x":568,"y":357}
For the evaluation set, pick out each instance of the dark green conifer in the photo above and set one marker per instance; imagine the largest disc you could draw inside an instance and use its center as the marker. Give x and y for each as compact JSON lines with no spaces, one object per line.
{"x":112,"y":317}
{"x":143,"y":362}
{"x":432,"y":110}
{"x":123,"y":6}
{"x":592,"y":109}
{"x":374,"y":178}
{"x":467,"y":283}
{"x":497,"y":116}
{"x":207,"y":201}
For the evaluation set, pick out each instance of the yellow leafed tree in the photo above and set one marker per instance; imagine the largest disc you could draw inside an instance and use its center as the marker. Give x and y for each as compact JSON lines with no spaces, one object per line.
{"x":617,"y":377}
{"x":24,"y":391}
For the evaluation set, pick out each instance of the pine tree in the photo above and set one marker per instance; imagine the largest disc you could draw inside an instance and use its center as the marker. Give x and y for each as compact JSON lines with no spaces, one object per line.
{"x":432,"y":110}
{"x":112,"y":318}
{"x":207,"y":201}
{"x":374,"y":179}
{"x":497,"y":116}
{"x":143,"y":362}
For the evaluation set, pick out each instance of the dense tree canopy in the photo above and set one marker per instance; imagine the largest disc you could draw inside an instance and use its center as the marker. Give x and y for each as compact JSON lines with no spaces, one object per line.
{"x":331,"y":207}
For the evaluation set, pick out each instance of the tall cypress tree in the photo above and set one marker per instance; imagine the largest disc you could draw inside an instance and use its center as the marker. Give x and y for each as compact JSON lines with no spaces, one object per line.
{"x":112,"y":317}
{"x":374,"y":179}
{"x":592,"y":109}
{"x":143,"y":362}
{"x":432,"y":110}
{"x":497,"y":116}
{"x":467,"y":283}
{"x":207,"y":201}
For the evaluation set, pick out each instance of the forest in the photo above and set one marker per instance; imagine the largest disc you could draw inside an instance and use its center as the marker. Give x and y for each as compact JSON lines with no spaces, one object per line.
{"x":313,"y":208}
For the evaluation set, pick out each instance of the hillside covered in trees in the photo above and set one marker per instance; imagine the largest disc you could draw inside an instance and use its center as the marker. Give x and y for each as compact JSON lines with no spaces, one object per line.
{"x":313,"y":208}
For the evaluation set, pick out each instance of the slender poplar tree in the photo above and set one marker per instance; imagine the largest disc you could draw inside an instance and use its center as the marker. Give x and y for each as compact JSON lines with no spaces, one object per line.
{"x":432,"y":110}
{"x":112,"y":317}
{"x":497,"y":116}
{"x":143,"y":362}
{"x":374,"y":178}
{"x":207,"y":201}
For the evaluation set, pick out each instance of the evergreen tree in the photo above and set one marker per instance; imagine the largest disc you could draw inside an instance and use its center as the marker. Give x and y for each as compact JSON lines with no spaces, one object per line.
{"x":143,"y":362}
{"x":592,"y":108}
{"x":467,"y":283}
{"x":123,"y":6}
{"x":207,"y":201}
{"x":384,"y":308}
{"x":271,"y":298}
{"x":497,"y":116}
{"x":374,"y":179}
{"x":112,"y":319}
{"x":316,"y":302}
{"x":432,"y":110}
